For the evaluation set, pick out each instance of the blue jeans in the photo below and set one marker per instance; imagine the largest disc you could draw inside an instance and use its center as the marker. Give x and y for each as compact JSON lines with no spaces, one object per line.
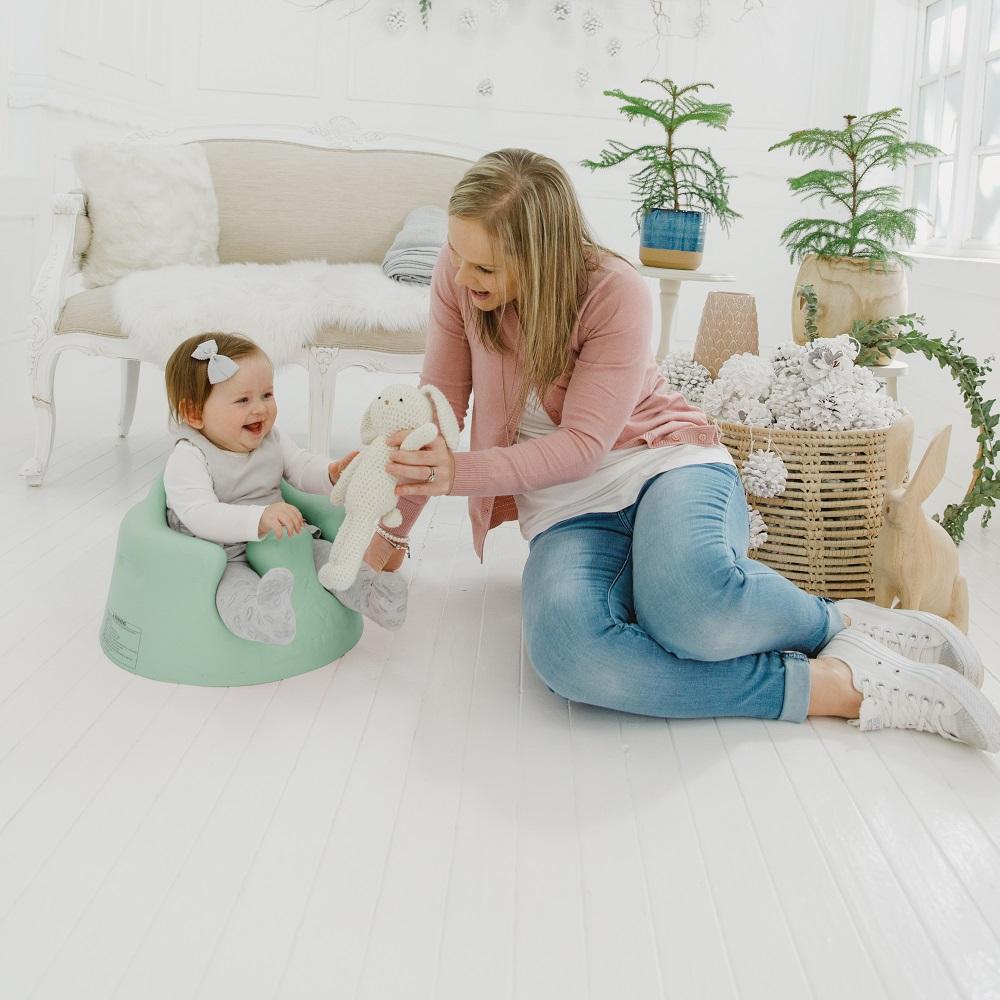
{"x":656,"y":609}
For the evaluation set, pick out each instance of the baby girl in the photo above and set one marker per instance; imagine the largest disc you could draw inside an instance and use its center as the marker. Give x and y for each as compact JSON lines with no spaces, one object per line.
{"x":223,"y":482}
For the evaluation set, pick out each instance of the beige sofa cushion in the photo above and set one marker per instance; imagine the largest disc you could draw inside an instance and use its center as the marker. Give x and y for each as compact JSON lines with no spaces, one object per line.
{"x":90,"y":312}
{"x":280,"y":201}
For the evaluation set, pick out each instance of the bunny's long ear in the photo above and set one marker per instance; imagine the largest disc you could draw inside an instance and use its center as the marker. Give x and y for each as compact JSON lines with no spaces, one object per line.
{"x":445,"y":414}
{"x":898,"y":447}
{"x":930,"y":471}
{"x":368,"y":432}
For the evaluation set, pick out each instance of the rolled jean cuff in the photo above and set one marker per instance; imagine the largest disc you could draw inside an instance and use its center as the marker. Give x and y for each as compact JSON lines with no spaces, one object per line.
{"x":798,"y":682}
{"x":835,"y":622}
{"x":832,"y":624}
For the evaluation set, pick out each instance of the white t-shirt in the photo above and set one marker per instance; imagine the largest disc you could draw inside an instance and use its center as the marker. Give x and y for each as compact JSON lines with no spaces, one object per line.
{"x":614,"y":485}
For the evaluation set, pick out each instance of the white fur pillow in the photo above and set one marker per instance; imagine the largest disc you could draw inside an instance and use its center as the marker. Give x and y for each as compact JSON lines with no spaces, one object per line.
{"x":149,"y":206}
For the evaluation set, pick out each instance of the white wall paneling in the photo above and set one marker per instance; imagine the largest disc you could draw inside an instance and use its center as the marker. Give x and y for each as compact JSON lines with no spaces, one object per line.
{"x":158,"y":42}
{"x":16,"y":233}
{"x":276,"y":51}
{"x":77,"y":28}
{"x":119,"y":31}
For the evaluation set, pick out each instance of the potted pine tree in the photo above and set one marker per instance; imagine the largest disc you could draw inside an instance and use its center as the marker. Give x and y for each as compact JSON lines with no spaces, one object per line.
{"x":851,"y":263}
{"x":678,"y":188}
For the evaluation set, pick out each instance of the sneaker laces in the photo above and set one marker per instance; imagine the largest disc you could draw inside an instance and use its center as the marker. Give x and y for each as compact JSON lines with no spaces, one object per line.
{"x":898,"y":709}
{"x":909,"y":644}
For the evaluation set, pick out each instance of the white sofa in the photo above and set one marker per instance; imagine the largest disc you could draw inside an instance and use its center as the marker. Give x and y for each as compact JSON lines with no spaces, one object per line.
{"x":295,"y":197}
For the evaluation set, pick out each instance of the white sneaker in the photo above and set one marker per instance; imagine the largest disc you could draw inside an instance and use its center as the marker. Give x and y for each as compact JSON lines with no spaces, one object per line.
{"x":918,"y":635}
{"x":900,"y":693}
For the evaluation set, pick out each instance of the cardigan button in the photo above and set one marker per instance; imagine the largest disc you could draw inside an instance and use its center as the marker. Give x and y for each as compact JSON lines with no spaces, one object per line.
{"x":702,"y":437}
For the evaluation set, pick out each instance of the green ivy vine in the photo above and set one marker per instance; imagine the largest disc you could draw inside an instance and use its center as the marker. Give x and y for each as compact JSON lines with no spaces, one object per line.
{"x":906,"y":334}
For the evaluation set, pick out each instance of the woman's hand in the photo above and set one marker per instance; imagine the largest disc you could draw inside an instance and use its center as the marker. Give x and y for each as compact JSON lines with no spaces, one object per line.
{"x":337,"y":468}
{"x":280,"y":516}
{"x":413,"y":469}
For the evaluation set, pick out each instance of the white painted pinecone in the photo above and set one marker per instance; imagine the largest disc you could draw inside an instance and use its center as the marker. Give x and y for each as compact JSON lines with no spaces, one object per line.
{"x":764,"y":474}
{"x":686,"y":376}
{"x":747,"y":375}
{"x":758,"y":530}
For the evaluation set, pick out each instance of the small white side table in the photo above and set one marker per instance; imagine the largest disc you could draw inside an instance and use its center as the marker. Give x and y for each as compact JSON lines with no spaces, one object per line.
{"x":670,"y":285}
{"x":889,"y":373}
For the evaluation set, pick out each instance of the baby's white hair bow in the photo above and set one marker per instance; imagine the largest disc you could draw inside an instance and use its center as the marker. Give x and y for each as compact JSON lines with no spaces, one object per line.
{"x":219,"y":366}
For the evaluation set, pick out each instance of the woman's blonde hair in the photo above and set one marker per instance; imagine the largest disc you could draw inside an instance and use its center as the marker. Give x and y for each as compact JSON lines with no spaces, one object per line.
{"x":527,"y":205}
{"x":186,"y":378}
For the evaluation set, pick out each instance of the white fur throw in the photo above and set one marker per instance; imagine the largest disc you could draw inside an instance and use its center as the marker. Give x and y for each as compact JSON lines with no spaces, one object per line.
{"x":149,"y":206}
{"x":280,"y":307}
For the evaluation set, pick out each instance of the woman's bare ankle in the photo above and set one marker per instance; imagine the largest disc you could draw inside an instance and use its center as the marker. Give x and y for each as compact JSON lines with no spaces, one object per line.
{"x":832,"y":691}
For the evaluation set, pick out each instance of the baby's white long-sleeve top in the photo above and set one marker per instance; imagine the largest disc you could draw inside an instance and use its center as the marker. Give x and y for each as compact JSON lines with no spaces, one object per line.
{"x":190,"y":494}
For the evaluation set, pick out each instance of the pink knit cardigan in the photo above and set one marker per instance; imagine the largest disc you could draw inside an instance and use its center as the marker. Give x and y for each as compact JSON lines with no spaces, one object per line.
{"x":613,"y":396}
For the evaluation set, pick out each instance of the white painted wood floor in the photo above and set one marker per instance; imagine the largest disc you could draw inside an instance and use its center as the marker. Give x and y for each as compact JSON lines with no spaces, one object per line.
{"x":424,"y":818}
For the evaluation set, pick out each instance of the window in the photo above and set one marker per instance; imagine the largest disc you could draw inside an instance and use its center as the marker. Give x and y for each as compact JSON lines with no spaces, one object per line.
{"x":957,"y":108}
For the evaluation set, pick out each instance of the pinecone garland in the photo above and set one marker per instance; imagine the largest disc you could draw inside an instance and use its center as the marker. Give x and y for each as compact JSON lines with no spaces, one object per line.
{"x":764,"y":474}
{"x":614,"y":46}
{"x":592,"y":22}
{"x":395,"y":20}
{"x":685,"y":376}
{"x":561,"y":10}
{"x":758,"y":530}
{"x":468,"y":21}
{"x":485,"y":88}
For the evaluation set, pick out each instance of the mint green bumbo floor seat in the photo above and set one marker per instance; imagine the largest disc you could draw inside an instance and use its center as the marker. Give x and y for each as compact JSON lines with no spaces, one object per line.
{"x":161,"y":621}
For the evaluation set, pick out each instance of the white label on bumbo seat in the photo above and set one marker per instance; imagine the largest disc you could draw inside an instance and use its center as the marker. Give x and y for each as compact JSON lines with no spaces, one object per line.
{"x":120,"y":640}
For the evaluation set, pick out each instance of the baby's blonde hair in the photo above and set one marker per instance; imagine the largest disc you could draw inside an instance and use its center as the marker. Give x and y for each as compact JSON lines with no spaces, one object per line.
{"x":527,"y":204}
{"x":186,"y":378}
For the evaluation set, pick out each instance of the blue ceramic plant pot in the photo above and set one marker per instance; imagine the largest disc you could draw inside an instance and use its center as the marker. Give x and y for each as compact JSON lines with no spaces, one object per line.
{"x":672,"y":239}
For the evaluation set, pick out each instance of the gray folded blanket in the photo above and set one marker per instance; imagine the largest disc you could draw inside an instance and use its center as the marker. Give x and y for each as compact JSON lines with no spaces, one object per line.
{"x":414,"y":251}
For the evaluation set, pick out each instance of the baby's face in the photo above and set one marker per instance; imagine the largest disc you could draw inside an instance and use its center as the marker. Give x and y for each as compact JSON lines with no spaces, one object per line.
{"x":240,"y":411}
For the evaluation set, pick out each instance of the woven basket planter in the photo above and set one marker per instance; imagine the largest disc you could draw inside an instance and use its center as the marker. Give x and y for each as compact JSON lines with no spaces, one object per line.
{"x":821,"y":531}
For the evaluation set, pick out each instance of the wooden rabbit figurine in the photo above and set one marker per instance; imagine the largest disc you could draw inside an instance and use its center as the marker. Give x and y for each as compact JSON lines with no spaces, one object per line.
{"x":915,"y":559}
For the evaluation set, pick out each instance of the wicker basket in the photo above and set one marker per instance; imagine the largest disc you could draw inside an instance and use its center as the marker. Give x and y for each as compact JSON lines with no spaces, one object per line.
{"x":821,"y":531}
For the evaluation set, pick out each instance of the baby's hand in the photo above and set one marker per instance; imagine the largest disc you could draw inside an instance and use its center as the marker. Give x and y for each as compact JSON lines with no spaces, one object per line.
{"x":280,"y":515}
{"x":337,"y":468}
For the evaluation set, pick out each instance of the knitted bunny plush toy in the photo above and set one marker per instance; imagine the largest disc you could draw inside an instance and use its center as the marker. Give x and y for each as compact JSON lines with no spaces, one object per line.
{"x":365,"y":489}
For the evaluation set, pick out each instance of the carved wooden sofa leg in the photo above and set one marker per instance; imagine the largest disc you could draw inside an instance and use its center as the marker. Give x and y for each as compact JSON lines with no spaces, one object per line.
{"x":42,"y":399}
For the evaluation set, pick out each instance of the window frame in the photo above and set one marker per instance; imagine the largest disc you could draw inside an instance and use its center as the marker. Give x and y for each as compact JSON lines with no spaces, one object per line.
{"x":969,"y":151}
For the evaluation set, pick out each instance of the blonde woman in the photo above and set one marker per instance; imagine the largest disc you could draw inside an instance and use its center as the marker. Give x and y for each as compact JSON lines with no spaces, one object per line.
{"x":637,"y":592}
